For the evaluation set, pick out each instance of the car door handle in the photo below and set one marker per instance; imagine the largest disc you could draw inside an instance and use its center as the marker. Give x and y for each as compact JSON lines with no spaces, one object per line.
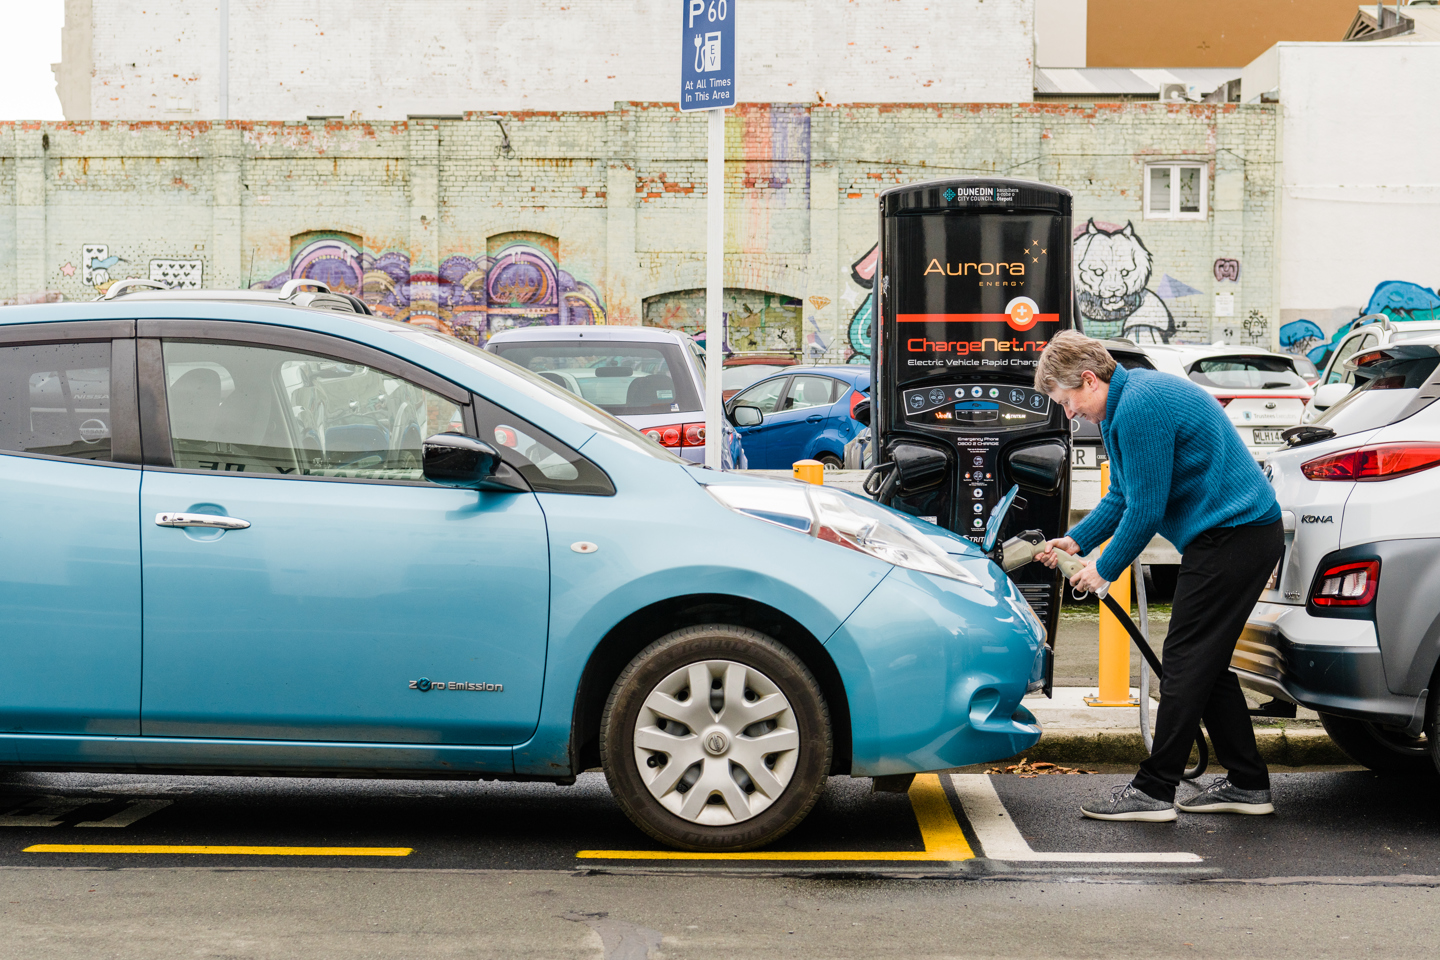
{"x":814,"y":418}
{"x":200,"y":520}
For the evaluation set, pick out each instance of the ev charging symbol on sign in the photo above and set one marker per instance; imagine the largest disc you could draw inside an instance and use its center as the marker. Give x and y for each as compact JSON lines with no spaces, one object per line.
{"x":707,"y":54}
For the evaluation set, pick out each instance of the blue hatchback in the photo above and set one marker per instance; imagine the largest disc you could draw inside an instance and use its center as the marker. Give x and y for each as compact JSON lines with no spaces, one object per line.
{"x":804,"y":415}
{"x":244,"y":535}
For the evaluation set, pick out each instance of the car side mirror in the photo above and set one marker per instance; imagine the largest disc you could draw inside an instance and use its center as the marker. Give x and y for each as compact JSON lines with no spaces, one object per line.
{"x":862,"y":412}
{"x":455,"y":460}
{"x":745,"y":415}
{"x":1330,"y":394}
{"x":1038,"y":468}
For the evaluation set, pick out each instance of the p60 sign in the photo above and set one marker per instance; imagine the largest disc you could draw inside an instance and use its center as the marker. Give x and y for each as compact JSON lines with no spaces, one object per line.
{"x":707,"y":54}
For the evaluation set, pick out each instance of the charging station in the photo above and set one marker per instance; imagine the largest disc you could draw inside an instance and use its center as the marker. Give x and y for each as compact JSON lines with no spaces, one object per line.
{"x":974,"y":279}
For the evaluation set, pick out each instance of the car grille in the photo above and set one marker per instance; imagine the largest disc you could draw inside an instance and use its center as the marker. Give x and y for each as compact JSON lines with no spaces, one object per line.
{"x":1038,"y":596}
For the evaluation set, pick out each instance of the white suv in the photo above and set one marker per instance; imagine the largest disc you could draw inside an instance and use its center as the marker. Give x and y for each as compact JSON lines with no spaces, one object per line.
{"x":1373,"y":330}
{"x":1349,"y":625}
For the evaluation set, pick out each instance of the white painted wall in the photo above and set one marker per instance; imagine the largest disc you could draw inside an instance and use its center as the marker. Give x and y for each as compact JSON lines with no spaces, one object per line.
{"x":1060,"y":32}
{"x":1360,"y":174}
{"x":295,"y":58}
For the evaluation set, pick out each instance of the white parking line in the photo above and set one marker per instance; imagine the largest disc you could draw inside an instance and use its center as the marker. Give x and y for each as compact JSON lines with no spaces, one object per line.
{"x":43,"y":812}
{"x":1000,"y":839}
{"x":137,"y":810}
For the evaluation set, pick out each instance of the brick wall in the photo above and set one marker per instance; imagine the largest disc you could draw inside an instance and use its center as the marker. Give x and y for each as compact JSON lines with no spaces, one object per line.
{"x":600,"y":215}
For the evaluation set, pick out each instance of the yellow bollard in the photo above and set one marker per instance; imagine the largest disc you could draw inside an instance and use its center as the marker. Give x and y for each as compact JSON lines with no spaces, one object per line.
{"x":811,"y":471}
{"x":1114,"y":641}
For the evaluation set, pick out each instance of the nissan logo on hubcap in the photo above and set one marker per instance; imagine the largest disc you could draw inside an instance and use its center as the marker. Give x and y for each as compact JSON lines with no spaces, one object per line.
{"x":716,"y":742}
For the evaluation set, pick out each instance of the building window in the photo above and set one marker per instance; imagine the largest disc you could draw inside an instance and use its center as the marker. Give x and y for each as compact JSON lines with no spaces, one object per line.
{"x":1175,"y":191}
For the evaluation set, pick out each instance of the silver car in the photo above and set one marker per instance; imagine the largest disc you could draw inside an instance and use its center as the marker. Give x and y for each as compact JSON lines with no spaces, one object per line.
{"x":1349,"y":624}
{"x":652,"y":378}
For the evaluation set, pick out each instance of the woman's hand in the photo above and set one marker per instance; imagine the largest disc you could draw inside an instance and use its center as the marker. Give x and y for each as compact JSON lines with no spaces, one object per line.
{"x":1089,"y":579}
{"x":1047,"y":556}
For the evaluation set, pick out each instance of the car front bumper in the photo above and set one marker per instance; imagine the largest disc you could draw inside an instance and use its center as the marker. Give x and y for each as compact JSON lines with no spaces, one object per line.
{"x":1328,"y":665}
{"x":934,"y":672}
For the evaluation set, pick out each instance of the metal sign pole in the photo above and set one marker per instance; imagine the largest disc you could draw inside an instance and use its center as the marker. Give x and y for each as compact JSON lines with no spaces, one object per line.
{"x":707,"y":82}
{"x":714,"y":286}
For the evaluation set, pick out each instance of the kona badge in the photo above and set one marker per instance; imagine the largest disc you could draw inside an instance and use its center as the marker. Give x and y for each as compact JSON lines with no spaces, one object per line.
{"x":1312,"y":518}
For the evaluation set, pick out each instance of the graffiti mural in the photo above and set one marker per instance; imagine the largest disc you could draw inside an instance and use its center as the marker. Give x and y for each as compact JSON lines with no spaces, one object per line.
{"x":1400,"y":300}
{"x":1112,"y":276}
{"x":755,"y":321}
{"x":862,"y":273}
{"x":519,"y":284}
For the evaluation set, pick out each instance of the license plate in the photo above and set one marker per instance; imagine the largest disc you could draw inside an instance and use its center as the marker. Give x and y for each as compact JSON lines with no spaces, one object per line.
{"x":1084,"y":458}
{"x":1266,"y":437}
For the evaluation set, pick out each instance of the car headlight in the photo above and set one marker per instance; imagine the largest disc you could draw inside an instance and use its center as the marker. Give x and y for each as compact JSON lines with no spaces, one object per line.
{"x":845,"y":521}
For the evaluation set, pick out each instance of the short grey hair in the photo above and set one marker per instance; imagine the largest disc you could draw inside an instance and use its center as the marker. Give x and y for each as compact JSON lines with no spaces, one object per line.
{"x":1069,"y":355}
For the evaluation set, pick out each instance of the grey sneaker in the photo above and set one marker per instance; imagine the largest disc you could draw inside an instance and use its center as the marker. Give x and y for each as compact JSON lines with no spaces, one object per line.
{"x":1222,"y":796}
{"x":1130,"y":803}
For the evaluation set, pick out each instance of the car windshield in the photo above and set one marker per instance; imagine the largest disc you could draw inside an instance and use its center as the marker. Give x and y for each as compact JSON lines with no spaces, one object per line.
{"x":1305,"y":368}
{"x":624,"y":378}
{"x":1381,"y":399}
{"x":1245,"y":373}
{"x":537,"y":388}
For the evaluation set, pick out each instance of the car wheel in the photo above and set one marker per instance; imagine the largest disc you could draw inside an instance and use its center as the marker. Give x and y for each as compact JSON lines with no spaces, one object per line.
{"x":716,"y":738}
{"x":1382,"y":749}
{"x":829,"y":461}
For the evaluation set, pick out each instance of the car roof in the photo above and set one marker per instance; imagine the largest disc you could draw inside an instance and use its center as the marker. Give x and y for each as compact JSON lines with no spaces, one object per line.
{"x":546,"y":332}
{"x":305,"y":294}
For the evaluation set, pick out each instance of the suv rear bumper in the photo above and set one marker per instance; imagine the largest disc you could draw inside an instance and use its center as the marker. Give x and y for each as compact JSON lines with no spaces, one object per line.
{"x":1331,"y":666}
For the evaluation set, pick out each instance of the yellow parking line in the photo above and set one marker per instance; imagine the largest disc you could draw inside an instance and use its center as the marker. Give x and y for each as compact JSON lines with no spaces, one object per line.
{"x":242,"y":851}
{"x":944,"y":840}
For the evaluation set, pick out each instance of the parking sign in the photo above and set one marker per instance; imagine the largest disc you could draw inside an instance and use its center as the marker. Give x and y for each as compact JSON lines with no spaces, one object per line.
{"x":707,"y":54}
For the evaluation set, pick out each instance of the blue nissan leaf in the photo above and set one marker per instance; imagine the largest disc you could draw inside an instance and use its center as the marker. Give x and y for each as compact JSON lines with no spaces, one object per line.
{"x":265,"y":533}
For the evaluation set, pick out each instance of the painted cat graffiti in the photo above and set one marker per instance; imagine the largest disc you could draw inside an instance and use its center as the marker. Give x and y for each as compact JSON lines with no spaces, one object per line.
{"x":1112,"y":276}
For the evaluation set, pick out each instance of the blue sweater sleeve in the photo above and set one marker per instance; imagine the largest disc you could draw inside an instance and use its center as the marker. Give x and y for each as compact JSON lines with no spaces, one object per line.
{"x":1149,"y":458}
{"x":1100,"y":522}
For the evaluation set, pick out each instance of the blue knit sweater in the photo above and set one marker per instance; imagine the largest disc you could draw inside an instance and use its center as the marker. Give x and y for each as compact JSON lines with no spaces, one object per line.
{"x":1177,"y":468}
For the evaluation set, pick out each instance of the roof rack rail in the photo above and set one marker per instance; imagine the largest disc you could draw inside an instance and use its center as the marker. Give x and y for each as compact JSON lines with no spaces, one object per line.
{"x":122,"y":287}
{"x":292,"y":287}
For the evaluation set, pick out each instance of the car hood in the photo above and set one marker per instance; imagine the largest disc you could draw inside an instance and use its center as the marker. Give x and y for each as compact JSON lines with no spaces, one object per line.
{"x":951,"y":543}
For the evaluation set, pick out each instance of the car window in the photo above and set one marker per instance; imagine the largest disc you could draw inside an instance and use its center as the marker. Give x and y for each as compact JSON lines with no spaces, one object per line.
{"x":548,"y":465}
{"x":765,"y":395}
{"x":1246,"y":373}
{"x":807,"y":391}
{"x":1305,"y":368}
{"x":271,"y":412}
{"x":55,"y":400}
{"x":1387,"y":392}
{"x":620,"y":377}
{"x":741,"y":376}
{"x":1363,"y":344}
{"x":1337,"y":363}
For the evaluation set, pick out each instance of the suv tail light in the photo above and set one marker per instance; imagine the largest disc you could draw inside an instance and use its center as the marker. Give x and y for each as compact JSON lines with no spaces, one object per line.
{"x":677,"y":435}
{"x":1347,"y":585}
{"x":1381,"y":461}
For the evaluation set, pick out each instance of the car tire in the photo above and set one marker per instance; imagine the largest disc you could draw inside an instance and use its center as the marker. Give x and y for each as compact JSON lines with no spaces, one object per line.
{"x":761,"y":695}
{"x":829,"y":461}
{"x":1382,"y":749}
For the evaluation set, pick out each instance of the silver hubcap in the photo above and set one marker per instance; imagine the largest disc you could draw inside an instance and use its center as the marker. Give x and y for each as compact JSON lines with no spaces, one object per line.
{"x":716,"y":742}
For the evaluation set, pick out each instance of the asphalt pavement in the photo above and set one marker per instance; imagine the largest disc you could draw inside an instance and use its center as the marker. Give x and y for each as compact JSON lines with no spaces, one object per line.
{"x":966,"y":864}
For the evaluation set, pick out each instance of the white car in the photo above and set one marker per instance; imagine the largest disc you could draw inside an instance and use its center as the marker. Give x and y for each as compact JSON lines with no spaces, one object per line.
{"x":652,"y":378}
{"x":1349,"y":624}
{"x":1262,"y":391}
{"x":1338,"y":377}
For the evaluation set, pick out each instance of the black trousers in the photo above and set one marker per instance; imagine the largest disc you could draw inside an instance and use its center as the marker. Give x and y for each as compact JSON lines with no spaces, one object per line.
{"x":1222,"y":574}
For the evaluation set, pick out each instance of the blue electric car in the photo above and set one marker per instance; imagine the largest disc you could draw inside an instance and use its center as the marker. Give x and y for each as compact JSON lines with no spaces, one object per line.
{"x":261,"y":533}
{"x":804,"y":413}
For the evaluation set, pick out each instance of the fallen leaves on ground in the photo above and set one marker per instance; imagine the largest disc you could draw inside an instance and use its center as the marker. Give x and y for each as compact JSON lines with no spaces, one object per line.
{"x":1044,"y":768}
